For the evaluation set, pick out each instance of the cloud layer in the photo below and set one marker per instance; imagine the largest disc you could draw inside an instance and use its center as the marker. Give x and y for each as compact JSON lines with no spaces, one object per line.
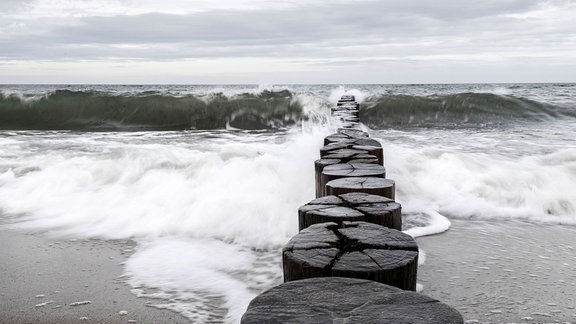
{"x":360,"y":41}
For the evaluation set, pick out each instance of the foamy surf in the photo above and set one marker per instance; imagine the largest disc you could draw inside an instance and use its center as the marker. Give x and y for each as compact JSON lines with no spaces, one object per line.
{"x":436,"y":224}
{"x":483,"y":174}
{"x":205,"y":280}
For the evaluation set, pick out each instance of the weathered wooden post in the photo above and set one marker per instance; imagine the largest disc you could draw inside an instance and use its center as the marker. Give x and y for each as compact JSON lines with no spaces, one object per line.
{"x":350,"y":169}
{"x":352,"y":249}
{"x":339,"y":158}
{"x":319,"y":166}
{"x":348,"y":156}
{"x":346,"y":300}
{"x":351,"y":207}
{"x":363,"y":146}
{"x":353,"y":133}
{"x":371,"y":185}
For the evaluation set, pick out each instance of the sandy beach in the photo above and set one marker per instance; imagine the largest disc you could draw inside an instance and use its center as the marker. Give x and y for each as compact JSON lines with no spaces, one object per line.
{"x":503,"y":271}
{"x":492,"y":272}
{"x":46,"y":280}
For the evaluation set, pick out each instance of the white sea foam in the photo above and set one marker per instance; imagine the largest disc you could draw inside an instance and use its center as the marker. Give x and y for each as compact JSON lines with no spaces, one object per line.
{"x":337,"y":93}
{"x":437,"y":224}
{"x":537,"y":187}
{"x":196,"y":270}
{"x":241,"y":192}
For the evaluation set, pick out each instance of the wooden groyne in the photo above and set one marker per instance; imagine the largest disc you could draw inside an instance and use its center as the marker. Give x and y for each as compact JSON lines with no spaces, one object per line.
{"x":350,"y":262}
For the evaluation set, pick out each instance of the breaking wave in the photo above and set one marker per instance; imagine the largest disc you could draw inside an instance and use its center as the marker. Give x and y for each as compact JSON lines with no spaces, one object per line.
{"x":456,"y":110}
{"x":100,"y":111}
{"x":269,"y":109}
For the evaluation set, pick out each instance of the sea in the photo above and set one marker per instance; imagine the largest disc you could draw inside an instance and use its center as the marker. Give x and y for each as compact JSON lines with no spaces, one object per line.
{"x":207,"y":179}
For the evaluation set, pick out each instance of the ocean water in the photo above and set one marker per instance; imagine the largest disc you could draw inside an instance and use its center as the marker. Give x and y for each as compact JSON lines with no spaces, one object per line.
{"x":208,"y":179}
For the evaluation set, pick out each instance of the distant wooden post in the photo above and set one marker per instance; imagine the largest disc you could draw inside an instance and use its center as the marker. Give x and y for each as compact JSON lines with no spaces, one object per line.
{"x":353,"y":133}
{"x":359,"y":146}
{"x":347,"y":110}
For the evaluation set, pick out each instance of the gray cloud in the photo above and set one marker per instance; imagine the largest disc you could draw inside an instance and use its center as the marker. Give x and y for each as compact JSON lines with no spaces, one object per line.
{"x":332,"y":24}
{"x":390,"y":19}
{"x":337,"y":34}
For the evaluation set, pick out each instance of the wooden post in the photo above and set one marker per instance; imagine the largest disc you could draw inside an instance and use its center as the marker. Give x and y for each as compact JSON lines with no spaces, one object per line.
{"x":352,"y":249}
{"x":347,"y":156}
{"x":327,"y":149}
{"x":372,"y":150}
{"x":318,"y":168}
{"x":350,"y":169}
{"x":331,"y":159}
{"x":351,"y":207}
{"x":335,"y":138}
{"x":346,"y":300}
{"x":337,"y":144}
{"x":353,"y":133}
{"x":371,"y":185}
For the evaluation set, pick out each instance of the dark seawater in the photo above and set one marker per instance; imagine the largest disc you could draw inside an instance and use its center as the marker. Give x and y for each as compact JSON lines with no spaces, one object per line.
{"x":91,"y":110}
{"x":207,"y":179}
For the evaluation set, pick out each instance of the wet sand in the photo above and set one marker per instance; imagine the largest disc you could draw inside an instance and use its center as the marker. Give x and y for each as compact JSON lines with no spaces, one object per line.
{"x":492,"y":272}
{"x":503,"y":271}
{"x":45,"y":280}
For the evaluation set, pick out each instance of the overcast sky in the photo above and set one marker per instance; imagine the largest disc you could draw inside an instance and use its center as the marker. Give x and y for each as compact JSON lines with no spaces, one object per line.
{"x":287,"y":41}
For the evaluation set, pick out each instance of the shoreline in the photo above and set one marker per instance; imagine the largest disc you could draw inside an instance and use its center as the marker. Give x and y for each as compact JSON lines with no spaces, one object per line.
{"x":502,"y":271}
{"x":49,"y":280}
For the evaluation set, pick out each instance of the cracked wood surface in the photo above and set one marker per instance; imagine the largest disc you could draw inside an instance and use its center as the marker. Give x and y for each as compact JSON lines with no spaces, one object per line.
{"x":351,"y":207}
{"x":370,"y":185}
{"x":352,"y":249}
